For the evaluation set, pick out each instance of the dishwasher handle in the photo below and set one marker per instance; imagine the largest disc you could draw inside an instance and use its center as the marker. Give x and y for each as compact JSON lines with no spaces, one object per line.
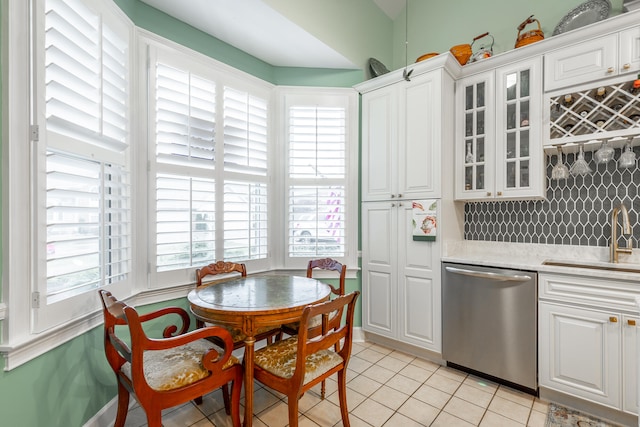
{"x":489,"y":275}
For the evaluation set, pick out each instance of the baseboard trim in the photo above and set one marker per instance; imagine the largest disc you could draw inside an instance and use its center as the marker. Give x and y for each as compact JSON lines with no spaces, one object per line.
{"x":107,"y":414}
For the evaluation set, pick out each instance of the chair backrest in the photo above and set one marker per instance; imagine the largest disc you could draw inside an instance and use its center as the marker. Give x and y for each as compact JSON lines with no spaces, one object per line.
{"x":338,"y":337}
{"x":219,"y":267}
{"x":329,"y":264}
{"x":117,"y":351}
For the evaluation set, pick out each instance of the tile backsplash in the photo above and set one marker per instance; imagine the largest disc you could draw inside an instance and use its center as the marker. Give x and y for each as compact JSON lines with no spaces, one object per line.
{"x":577,"y":210}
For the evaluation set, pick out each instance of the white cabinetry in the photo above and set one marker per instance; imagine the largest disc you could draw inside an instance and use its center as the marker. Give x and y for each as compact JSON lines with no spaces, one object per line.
{"x":580,"y":352}
{"x":401,"y":277}
{"x":401,"y":137}
{"x":498,"y":142}
{"x":407,"y":145}
{"x":594,"y":59}
{"x":587,"y":338}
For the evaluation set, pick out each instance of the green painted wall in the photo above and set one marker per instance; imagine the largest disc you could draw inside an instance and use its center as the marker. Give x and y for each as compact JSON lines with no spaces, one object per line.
{"x":436,"y":26}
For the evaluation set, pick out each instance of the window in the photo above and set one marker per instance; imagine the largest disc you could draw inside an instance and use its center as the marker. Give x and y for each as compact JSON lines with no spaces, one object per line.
{"x":82,"y":165}
{"x":321,"y":197}
{"x":209,"y":140}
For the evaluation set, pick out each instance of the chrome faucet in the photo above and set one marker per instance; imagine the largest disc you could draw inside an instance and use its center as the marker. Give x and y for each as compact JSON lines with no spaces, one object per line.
{"x":614,"y":249}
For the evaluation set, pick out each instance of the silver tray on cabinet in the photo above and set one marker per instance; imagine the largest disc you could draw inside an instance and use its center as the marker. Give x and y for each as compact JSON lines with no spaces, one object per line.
{"x":586,"y":13}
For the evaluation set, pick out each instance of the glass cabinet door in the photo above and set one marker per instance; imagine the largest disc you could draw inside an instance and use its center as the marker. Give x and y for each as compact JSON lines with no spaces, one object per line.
{"x":475,"y":110}
{"x":518,"y":124}
{"x":520,"y":169}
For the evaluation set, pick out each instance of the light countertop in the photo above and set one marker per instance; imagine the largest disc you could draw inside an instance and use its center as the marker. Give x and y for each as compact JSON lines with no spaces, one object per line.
{"x":527,"y":256}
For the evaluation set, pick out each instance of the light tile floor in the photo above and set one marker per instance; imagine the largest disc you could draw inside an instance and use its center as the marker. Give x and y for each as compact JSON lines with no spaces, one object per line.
{"x":385,"y":388}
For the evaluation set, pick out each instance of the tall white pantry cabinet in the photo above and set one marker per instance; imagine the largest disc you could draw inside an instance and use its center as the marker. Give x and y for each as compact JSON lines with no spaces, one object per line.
{"x":407,"y":155}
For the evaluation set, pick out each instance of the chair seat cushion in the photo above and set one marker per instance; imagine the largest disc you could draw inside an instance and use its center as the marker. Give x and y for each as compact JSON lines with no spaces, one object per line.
{"x":237,"y":335}
{"x":314,"y":322}
{"x":177,"y":367}
{"x":280,"y":357}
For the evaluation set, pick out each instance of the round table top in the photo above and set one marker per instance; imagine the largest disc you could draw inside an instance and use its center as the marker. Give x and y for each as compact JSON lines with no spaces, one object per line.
{"x":258,"y":294}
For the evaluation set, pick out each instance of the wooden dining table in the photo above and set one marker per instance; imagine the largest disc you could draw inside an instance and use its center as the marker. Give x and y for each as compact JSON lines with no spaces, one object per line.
{"x":251,"y":303}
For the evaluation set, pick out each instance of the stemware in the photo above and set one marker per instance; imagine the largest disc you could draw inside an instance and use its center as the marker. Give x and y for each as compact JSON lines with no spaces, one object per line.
{"x":604,"y":154}
{"x":580,"y":166}
{"x":628,"y":157}
{"x":560,"y":170}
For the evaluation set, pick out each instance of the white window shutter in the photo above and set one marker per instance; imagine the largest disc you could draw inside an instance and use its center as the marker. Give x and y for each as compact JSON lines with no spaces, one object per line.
{"x":317,"y":180}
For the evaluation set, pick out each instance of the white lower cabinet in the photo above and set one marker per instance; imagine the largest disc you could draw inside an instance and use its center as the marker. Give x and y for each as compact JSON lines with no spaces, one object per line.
{"x":587,"y":338}
{"x":401,"y":291}
{"x":580,"y":354}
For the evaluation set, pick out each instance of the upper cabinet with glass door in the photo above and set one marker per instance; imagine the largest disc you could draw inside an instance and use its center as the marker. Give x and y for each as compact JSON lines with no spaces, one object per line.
{"x":476,"y":136}
{"x":498,"y":147}
{"x":519,"y":151}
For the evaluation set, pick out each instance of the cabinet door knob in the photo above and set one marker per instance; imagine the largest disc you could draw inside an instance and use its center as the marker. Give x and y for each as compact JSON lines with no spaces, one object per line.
{"x":488,"y":193}
{"x":393,"y":196}
{"x":626,"y":66}
{"x":499,"y":193}
{"x":399,"y":196}
{"x":610,"y":70}
{"x":393,"y":205}
{"x":631,"y":322}
{"x":613,"y":319}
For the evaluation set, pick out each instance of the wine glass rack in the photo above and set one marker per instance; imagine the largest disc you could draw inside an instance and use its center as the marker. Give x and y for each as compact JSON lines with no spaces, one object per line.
{"x":610,"y":111}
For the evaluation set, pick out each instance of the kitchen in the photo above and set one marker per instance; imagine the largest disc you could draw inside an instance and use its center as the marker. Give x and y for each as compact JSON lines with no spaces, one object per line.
{"x":485,"y":212}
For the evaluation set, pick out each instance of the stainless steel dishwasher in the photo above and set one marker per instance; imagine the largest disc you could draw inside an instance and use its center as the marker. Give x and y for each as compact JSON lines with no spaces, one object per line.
{"x":489,"y":323}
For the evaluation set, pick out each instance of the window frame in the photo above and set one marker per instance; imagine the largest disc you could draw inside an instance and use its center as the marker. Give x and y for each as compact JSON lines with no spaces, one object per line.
{"x":223,"y":75}
{"x":348,"y":97}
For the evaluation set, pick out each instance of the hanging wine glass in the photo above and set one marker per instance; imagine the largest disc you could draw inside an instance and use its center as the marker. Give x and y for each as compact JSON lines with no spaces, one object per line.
{"x":560,"y":170}
{"x":604,"y":154}
{"x":628,"y":157}
{"x":580,"y":166}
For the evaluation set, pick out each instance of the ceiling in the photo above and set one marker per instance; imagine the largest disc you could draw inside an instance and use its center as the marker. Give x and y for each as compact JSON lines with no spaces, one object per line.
{"x":257,"y":29}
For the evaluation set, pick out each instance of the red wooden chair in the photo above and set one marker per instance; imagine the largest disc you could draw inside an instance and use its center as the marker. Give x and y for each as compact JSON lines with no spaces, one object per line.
{"x":166,"y":372}
{"x":294,"y":365}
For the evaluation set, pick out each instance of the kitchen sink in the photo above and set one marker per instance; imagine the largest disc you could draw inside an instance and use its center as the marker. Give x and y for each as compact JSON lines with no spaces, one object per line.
{"x":594,"y":265}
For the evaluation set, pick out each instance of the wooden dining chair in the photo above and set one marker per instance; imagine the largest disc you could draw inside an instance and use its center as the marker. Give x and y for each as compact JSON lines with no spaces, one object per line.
{"x":294,"y":365}
{"x":169,"y":371}
{"x":334,"y":320}
{"x":323,"y":264}
{"x":231,"y":268}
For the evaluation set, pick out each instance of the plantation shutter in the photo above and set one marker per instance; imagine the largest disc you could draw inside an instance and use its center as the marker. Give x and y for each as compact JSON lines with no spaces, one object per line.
{"x":317,"y":181}
{"x":245,"y":158}
{"x":185,"y":126}
{"x":83,"y":163}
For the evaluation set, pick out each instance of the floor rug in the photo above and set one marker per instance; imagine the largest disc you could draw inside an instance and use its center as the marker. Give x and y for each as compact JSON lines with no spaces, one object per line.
{"x":560,"y":416}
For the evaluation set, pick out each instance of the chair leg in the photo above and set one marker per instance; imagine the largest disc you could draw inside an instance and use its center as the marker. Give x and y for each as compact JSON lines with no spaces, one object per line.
{"x":225,"y":398}
{"x":154,"y":418}
{"x":322,"y":390}
{"x":123,"y":405}
{"x":236,"y":386}
{"x":342,"y":394}
{"x":292,"y":403}
{"x":198,"y":400}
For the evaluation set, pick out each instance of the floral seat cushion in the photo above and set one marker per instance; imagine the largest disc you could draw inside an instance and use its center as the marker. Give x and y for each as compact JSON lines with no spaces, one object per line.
{"x":280,"y":359}
{"x":176,"y":367}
